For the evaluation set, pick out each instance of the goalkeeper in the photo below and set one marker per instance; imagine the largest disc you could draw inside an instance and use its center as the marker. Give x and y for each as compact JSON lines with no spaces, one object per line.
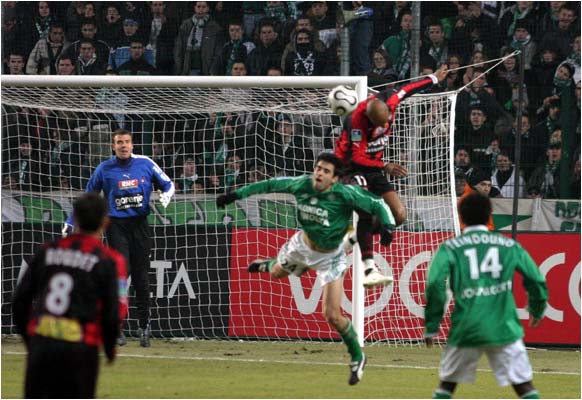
{"x":127,"y":181}
{"x":324,"y":208}
{"x":361,"y":147}
{"x":480,"y":267}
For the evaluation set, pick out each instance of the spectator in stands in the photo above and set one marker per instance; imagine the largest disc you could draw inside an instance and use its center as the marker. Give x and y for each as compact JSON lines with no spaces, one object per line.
{"x":387,"y":19}
{"x":43,"y":57}
{"x":475,"y":94}
{"x":213,"y":184}
{"x":563,"y":34}
{"x":550,"y":18}
{"x":462,"y":161}
{"x":163,"y":31}
{"x":454,"y":79}
{"x":286,"y":152}
{"x":136,"y":10}
{"x":234,"y":174}
{"x":540,"y":81}
{"x":522,"y":10}
{"x":277,"y":12}
{"x":550,"y":122}
{"x":189,"y":181}
{"x":238,"y":69}
{"x":256,"y":174}
{"x":253,"y":12}
{"x":89,"y":11}
{"x":75,"y":14}
{"x":574,"y":57}
{"x":10,"y":182}
{"x":303,"y":22}
{"x":562,"y":81}
{"x":121,"y":51}
{"x":323,"y":23}
{"x":477,"y":135}
{"x":236,"y":49}
{"x":435,"y":51}
{"x":477,"y":60}
{"x":533,"y":145}
{"x":506,"y":83}
{"x":305,"y":60}
{"x":398,"y":46}
{"x":137,"y":64}
{"x":9,"y":34}
{"x":26,"y":165}
{"x":268,"y":51}
{"x":67,"y":155}
{"x":544,"y":181}
{"x":480,"y":182}
{"x":36,"y":27}
{"x":522,"y":40}
{"x":89,"y":31}
{"x":460,"y":183}
{"x":112,"y":27}
{"x":503,"y":177}
{"x":66,"y":66}
{"x":87,"y":63}
{"x":15,"y":64}
{"x":274,"y":71}
{"x":382,"y":71}
{"x":361,"y":33}
{"x":198,"y":42}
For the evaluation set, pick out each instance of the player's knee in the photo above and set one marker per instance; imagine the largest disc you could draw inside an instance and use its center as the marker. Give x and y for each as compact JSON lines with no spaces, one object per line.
{"x":400,"y":215}
{"x":334,"y":318}
{"x":277,"y":272}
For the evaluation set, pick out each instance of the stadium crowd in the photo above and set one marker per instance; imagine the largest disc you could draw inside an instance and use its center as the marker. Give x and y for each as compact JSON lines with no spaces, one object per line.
{"x":220,"y":152}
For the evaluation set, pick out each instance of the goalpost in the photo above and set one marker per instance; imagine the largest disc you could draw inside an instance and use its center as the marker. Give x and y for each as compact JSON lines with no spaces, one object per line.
{"x":233,"y":130}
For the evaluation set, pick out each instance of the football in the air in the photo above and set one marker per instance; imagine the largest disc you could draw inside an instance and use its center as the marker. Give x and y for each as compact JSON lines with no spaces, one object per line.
{"x":342,"y":100}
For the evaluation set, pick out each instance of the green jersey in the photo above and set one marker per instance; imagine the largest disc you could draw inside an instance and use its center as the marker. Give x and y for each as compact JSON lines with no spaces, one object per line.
{"x":480,"y":266}
{"x":324,"y":216}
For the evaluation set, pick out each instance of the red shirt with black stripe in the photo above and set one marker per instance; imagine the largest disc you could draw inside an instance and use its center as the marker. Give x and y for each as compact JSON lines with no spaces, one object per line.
{"x":361,"y":145}
{"x":80,"y":288}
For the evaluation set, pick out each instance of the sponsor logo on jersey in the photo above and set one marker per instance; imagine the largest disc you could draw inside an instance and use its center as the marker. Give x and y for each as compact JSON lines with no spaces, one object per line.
{"x":68,"y":330}
{"x":313,"y":200}
{"x":356,"y":135}
{"x":127,"y":184}
{"x":129,"y":201}
{"x":378,"y":144}
{"x":313,"y":213}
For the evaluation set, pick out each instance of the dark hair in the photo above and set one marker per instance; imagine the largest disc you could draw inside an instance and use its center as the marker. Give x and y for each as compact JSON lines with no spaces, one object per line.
{"x":475,"y":209}
{"x":332,"y":159}
{"x":89,"y":210}
{"x":120,"y":132}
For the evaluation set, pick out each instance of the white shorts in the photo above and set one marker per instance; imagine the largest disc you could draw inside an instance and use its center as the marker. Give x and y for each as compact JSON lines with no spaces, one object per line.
{"x":296,"y":257}
{"x":509,"y":363}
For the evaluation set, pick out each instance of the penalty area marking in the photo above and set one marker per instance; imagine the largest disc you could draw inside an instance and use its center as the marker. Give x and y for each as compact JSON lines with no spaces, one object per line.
{"x":262,"y":360}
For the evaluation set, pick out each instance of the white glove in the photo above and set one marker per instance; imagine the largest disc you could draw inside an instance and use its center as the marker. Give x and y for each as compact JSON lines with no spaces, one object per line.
{"x":67,"y":229}
{"x":165,"y":199}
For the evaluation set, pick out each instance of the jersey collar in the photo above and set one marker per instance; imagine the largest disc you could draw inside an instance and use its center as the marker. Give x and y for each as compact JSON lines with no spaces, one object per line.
{"x":475,"y":228}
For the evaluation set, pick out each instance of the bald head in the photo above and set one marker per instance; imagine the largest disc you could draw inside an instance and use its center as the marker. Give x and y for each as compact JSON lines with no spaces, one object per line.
{"x":378,"y":112}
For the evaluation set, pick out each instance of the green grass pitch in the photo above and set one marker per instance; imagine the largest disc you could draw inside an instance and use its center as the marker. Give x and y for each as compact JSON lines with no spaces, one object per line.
{"x":230,"y":369}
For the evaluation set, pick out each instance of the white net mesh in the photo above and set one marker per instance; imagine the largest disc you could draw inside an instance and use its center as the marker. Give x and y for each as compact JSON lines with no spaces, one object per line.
{"x":210,"y":141}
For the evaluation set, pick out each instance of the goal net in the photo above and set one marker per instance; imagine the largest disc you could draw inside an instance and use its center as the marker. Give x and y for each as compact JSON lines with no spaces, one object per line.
{"x":213,"y":135}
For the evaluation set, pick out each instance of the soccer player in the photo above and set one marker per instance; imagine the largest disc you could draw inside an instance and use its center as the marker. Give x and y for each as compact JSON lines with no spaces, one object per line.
{"x":361,"y":147}
{"x":71,"y":299}
{"x":480,"y":267}
{"x":324,"y":210}
{"x":127,"y":180}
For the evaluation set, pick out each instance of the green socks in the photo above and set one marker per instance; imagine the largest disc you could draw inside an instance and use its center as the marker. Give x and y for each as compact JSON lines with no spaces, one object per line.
{"x":350,"y":338}
{"x":442,"y":394}
{"x":270,"y":264}
{"x":531,"y":395}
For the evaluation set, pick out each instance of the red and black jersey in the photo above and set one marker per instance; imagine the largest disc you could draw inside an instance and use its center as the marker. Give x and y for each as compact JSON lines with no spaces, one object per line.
{"x":80,"y":290}
{"x":361,"y":145}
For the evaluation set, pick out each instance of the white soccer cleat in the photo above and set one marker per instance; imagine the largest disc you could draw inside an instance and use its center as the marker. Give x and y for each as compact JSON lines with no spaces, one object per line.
{"x":375,"y":278}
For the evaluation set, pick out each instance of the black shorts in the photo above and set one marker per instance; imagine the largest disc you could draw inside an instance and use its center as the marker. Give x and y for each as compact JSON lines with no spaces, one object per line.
{"x":58,"y":369}
{"x":375,"y":182}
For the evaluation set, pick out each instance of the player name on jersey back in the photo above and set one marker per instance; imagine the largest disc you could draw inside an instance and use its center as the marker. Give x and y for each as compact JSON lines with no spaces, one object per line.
{"x":71,"y":258}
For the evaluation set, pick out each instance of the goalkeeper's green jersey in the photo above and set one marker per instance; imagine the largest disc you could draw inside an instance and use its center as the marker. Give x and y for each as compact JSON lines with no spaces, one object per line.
{"x":324,"y":216}
{"x":480,"y":266}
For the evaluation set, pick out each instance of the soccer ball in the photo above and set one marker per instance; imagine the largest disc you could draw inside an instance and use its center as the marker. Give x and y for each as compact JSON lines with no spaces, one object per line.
{"x":342,"y":100}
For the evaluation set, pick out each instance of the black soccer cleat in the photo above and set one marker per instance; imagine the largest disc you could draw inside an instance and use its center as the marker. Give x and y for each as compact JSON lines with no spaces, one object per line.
{"x":357,"y":370}
{"x":259,"y":265}
{"x":144,"y":337}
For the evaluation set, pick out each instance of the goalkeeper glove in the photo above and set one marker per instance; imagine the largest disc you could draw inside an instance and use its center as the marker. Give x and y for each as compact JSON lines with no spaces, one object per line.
{"x":67,"y":230}
{"x":385,"y":235}
{"x":165,"y":198}
{"x":224,"y":199}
